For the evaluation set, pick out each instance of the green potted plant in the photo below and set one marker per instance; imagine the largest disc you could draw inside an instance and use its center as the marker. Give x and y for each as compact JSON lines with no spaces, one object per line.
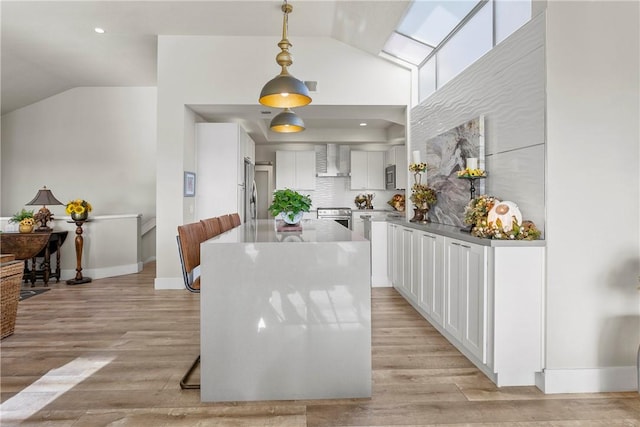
{"x":289,"y":205}
{"x":24,"y":219}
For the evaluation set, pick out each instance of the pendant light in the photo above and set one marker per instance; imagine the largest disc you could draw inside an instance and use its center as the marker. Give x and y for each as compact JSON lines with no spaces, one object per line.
{"x":287,"y":122}
{"x":285,"y":91}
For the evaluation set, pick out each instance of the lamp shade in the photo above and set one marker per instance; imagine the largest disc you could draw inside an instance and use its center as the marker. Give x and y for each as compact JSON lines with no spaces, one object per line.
{"x":285,"y":91}
{"x":287,"y":122}
{"x":44,"y":197}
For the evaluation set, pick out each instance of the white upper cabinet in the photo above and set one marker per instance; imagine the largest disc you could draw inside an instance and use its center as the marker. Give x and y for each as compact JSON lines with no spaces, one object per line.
{"x":220,"y":152}
{"x":296,"y":170}
{"x":367,"y":170}
{"x":397,"y":156}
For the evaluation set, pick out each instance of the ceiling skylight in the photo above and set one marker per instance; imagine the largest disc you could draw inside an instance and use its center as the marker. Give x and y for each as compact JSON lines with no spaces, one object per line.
{"x":406,"y":48}
{"x":426,"y":24}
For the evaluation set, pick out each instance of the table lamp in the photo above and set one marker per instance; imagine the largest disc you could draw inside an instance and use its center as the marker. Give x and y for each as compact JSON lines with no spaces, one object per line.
{"x":44,"y":197}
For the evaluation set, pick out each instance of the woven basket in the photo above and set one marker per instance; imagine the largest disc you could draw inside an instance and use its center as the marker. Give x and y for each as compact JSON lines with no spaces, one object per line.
{"x":10,"y":282}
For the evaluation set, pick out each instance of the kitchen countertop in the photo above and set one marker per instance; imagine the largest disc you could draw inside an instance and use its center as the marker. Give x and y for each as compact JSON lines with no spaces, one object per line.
{"x":382,"y":215}
{"x":372,"y":210}
{"x":456,"y":233}
{"x":264,"y":231}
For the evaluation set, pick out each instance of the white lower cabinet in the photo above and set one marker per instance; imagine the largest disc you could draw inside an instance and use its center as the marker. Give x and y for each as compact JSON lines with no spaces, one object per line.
{"x":357,"y":223}
{"x":476,"y":296}
{"x":402,"y":258}
{"x":408,"y":281}
{"x":429,"y":273}
{"x":392,"y":230}
{"x":465,"y":294}
{"x":376,"y":232}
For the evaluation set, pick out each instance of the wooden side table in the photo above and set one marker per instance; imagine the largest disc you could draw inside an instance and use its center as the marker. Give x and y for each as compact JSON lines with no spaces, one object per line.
{"x":79,"y":241}
{"x":56,"y":239}
{"x":23,"y":246}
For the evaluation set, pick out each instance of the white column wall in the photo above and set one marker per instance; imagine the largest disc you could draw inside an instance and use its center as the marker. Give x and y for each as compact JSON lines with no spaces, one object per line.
{"x":232,"y":70}
{"x":593,"y":215}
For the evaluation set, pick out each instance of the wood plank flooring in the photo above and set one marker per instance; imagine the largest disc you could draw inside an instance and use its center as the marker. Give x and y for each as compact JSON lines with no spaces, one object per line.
{"x":112,"y":352}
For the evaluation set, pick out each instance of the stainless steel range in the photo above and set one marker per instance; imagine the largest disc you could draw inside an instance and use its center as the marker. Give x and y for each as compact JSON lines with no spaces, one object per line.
{"x":340,"y":215}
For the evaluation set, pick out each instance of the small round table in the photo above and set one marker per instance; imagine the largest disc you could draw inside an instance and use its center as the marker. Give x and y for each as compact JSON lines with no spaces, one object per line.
{"x":79,"y":241}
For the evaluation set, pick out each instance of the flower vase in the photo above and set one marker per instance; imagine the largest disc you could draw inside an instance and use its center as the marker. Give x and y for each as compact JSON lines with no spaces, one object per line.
{"x":288,"y":220}
{"x":25,"y":228}
{"x":425,"y":215}
{"x":418,"y":215}
{"x":417,"y":178}
{"x":80,"y":216}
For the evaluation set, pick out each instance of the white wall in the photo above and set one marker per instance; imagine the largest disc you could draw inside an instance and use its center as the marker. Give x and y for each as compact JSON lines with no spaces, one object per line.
{"x":593,"y":231}
{"x":98,"y":144}
{"x":111,"y":247}
{"x":507,"y":86}
{"x":232,"y":70}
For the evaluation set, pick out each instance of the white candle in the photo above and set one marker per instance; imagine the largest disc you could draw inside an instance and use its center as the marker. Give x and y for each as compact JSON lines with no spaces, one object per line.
{"x":416,"y":156}
{"x":472,"y":163}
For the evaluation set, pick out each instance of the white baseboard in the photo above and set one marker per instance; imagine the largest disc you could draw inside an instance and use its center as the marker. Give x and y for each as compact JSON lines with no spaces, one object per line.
{"x":169,"y":283}
{"x":101,"y":273}
{"x":595,"y":380}
{"x":380,"y":282}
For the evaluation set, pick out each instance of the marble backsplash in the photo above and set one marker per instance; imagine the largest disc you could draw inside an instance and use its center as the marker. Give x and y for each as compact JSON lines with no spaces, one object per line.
{"x":446,"y":154}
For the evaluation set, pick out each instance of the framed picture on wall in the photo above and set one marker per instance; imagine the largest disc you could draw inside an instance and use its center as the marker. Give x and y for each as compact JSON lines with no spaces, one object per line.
{"x":189,"y":184}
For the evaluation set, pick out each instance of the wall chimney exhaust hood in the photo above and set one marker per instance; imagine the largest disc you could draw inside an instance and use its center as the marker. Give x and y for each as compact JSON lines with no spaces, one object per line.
{"x":337,"y":161}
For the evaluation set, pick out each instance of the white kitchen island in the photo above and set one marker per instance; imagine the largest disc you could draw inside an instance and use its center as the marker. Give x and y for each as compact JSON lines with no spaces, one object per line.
{"x":285,"y":315}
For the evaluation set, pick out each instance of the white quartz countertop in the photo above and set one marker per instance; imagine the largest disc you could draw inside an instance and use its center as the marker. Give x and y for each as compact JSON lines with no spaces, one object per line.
{"x":456,"y":233}
{"x":264,"y":231}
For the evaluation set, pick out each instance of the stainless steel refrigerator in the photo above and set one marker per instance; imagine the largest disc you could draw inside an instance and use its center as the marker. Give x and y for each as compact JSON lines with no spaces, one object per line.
{"x":250,"y":190}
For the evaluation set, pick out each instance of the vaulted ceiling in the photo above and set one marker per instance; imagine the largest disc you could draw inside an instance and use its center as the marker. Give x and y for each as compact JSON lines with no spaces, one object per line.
{"x":50,"y":46}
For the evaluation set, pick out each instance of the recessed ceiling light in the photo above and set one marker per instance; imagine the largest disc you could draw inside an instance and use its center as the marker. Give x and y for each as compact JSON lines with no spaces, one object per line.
{"x":99,"y":30}
{"x":363,"y":124}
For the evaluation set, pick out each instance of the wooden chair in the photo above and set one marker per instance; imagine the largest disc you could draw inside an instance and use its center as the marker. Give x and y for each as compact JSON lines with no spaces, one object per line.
{"x":235,"y":219}
{"x":211,"y":227}
{"x":189,"y":238}
{"x":225,"y":223}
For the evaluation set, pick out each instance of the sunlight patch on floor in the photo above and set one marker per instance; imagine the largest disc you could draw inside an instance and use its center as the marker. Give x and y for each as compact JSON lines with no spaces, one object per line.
{"x":51,"y":386}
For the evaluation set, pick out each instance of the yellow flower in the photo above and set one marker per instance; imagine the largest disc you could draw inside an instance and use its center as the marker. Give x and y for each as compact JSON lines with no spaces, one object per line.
{"x":78,"y":206}
{"x":471,"y":173}
{"x":418,"y":167}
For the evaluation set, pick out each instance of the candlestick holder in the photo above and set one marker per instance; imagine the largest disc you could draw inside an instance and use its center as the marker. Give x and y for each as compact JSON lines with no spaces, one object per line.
{"x":472,"y":194}
{"x":472,"y":188}
{"x":79,"y":241}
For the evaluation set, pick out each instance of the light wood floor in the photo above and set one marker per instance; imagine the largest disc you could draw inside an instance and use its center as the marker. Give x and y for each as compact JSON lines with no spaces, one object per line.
{"x":112,"y":352}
